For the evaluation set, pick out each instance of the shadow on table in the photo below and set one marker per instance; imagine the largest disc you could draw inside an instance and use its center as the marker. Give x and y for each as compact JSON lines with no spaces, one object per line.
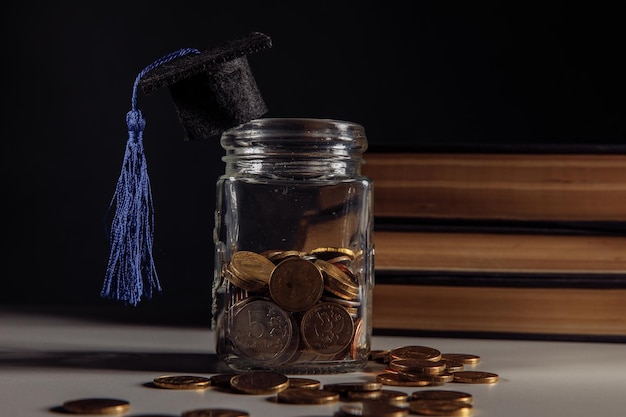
{"x":128,"y":361}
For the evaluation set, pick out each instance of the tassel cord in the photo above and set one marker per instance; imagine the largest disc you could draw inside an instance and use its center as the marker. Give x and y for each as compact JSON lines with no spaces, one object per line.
{"x":131,"y":271}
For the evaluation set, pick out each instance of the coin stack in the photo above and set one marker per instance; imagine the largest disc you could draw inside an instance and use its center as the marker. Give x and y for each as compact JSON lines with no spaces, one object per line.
{"x":287,"y":308}
{"x":422,"y":366}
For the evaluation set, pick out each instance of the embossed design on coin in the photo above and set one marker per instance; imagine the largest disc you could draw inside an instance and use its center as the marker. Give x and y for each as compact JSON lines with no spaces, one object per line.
{"x":327,"y":328}
{"x":260,"y":382}
{"x":296,"y":284}
{"x":182,"y":382}
{"x":262,"y":331}
{"x":96,"y":406}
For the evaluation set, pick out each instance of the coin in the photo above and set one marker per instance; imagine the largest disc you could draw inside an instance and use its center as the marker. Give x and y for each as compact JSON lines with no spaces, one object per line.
{"x":262,"y":331}
{"x":215,"y":412}
{"x":182,"y":382}
{"x":464,"y":358}
{"x":338,"y":282}
{"x":307,"y":383}
{"x":452,"y":366}
{"x":442,"y":395}
{"x":476,"y":377}
{"x":415,"y":352}
{"x":327,"y":328}
{"x":342,"y":387}
{"x":248,"y":284}
{"x":382,"y":395}
{"x":251,"y":267}
{"x":372,"y":409}
{"x":424,"y":379}
{"x":327,"y":253}
{"x":260,"y":382}
{"x":412,"y":365}
{"x":96,"y":406}
{"x":279,"y":256}
{"x":440,"y":408}
{"x":296,"y":284}
{"x":400,"y":380}
{"x":307,"y":396}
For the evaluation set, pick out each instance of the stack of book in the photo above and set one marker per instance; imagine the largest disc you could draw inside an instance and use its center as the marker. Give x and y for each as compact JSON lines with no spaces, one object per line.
{"x":500,"y":244}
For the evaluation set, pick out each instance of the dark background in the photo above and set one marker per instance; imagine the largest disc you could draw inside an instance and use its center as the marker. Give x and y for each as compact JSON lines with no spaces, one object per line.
{"x":424,"y":74}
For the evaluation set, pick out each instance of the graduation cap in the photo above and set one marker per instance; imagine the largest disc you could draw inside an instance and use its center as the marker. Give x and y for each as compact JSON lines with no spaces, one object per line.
{"x":213,"y":90}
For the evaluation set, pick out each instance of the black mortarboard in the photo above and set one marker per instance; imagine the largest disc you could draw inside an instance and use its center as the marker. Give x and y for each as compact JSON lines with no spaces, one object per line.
{"x":214,"y":90}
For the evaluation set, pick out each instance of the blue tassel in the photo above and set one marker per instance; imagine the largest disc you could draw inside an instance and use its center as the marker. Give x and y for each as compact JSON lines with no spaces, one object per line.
{"x":131,"y":271}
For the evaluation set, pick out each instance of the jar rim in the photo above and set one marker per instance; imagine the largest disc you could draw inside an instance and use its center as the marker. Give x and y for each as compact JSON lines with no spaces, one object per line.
{"x":286,"y":128}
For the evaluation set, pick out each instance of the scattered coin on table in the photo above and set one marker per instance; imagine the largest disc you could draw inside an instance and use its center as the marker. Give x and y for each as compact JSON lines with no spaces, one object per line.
{"x":96,"y":406}
{"x":182,"y":382}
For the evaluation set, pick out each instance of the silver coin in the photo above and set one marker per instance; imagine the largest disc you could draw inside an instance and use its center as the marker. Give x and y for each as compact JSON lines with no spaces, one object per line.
{"x":262,"y":331}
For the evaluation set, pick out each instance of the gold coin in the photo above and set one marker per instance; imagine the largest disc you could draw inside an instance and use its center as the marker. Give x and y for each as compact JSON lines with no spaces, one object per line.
{"x":415,"y":352}
{"x":464,"y":358}
{"x":296,"y":284}
{"x":250,"y":285}
{"x":307,"y":396}
{"x":260,"y":382}
{"x":440,"y":408}
{"x":400,"y":380}
{"x":338,"y":282}
{"x":425,"y":379}
{"x":330,"y":253}
{"x":452,"y":366}
{"x":442,"y":395}
{"x":96,"y":406}
{"x":412,"y":365}
{"x":279,"y":256}
{"x":215,"y":412}
{"x":327,"y":328}
{"x":342,"y":259}
{"x":372,"y":409}
{"x":476,"y":377}
{"x":182,"y":382}
{"x":250,"y":266}
{"x":353,"y":386}
{"x":383,"y":395}
{"x":305,"y":383}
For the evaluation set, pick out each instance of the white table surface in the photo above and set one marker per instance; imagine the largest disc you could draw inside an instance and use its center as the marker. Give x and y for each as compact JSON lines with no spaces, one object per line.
{"x":46,"y":360}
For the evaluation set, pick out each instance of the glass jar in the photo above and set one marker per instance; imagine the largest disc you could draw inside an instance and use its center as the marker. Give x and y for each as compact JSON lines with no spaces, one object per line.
{"x":294,"y":273}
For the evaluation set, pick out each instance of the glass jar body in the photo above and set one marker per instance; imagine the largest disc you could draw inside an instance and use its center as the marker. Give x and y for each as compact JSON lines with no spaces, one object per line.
{"x":293,"y":231}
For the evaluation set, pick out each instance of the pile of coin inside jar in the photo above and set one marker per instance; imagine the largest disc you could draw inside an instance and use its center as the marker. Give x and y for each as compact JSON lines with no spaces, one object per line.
{"x":290,"y":306}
